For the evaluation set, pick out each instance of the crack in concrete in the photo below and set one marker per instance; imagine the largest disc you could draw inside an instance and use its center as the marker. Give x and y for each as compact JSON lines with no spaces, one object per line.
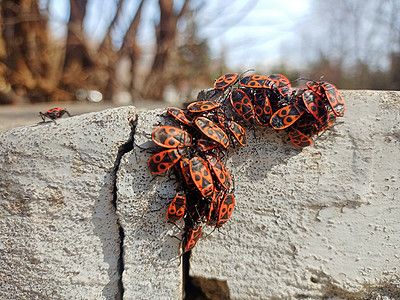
{"x":186,"y":282}
{"x":123,"y":149}
{"x":197,"y":287}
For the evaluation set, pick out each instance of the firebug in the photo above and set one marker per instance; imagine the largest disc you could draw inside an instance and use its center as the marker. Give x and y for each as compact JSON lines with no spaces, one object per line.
{"x":225,"y":209}
{"x":282,"y":84}
{"x":262,"y":107}
{"x":238,"y":132}
{"x":202,"y":106}
{"x":299,"y":139}
{"x":180,"y":115}
{"x":220,"y":171}
{"x":191,"y":237}
{"x":225,"y":81}
{"x":171,"y":137}
{"x":329,"y":91}
{"x":256,"y":81}
{"x":201,"y":176}
{"x":54,"y":113}
{"x":176,"y":209}
{"x":315,"y":106}
{"x":211,"y":130}
{"x":286,"y":116}
{"x":164,"y":160}
{"x":242,"y":104}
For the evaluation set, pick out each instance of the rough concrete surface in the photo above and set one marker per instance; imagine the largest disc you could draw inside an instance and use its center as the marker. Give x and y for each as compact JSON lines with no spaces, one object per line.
{"x":12,"y":116}
{"x":321,"y":222}
{"x":318,"y":222}
{"x":59,"y":233}
{"x":152,"y":267}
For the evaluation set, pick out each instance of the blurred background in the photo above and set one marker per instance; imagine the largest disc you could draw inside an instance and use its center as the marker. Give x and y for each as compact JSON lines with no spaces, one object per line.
{"x":162,"y":52}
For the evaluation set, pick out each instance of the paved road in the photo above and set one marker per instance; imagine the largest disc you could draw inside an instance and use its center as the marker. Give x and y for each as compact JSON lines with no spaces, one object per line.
{"x":15,"y":116}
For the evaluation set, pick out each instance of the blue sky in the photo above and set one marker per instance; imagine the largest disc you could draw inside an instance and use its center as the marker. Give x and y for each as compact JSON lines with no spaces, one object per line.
{"x":265,"y":33}
{"x":249,"y":32}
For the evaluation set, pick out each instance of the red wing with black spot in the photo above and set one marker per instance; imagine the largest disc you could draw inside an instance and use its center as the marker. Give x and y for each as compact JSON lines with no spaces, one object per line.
{"x":242,"y":104}
{"x":205,"y":145}
{"x":55,"y":112}
{"x":226,"y":209}
{"x":212,"y":131}
{"x":176,"y":209}
{"x":202,"y":106}
{"x":334,"y":98}
{"x":171,"y":137}
{"x":221,"y":118}
{"x":299,"y":139}
{"x":225,"y":81}
{"x":262,"y":107}
{"x":162,"y":161}
{"x":315,"y":106}
{"x":238,"y":132}
{"x":201,"y":176}
{"x":191,"y":237}
{"x":286,"y":116}
{"x":220,"y":171}
{"x":180,"y":115}
{"x":282,"y":84}
{"x":256,"y":81}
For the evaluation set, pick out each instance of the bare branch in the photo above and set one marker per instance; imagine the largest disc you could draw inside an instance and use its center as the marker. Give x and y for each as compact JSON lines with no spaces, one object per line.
{"x":130,"y":35}
{"x":107,"y":37}
{"x":184,"y":8}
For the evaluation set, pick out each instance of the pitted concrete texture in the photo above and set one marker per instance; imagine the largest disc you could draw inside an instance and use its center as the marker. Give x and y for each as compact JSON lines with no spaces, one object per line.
{"x":59,"y":233}
{"x":81,"y":217}
{"x":317,"y":223}
{"x":152,"y":266}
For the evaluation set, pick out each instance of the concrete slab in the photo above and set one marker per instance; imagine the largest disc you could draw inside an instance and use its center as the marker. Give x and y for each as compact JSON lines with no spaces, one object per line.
{"x":321,"y":222}
{"x":81,"y":217}
{"x":59,"y":233}
{"x":152,"y":266}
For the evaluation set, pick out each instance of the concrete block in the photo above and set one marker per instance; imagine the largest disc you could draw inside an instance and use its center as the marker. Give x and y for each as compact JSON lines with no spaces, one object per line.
{"x":152,"y":267}
{"x":81,"y":217}
{"x":59,"y":233}
{"x":322,"y":222}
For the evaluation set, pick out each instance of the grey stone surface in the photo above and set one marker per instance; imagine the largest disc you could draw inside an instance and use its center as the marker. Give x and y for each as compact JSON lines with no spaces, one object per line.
{"x":59,"y":233}
{"x":312,"y":222}
{"x":12,"y":116}
{"x":152,"y":266}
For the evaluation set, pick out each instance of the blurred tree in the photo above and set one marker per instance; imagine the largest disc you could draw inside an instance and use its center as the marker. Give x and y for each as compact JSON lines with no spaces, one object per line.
{"x":166,"y":31}
{"x":394,"y":73}
{"x":24,"y":39}
{"x":128,"y":53}
{"x":191,"y":63}
{"x":77,"y":63}
{"x":353,"y":43}
{"x":39,"y":68}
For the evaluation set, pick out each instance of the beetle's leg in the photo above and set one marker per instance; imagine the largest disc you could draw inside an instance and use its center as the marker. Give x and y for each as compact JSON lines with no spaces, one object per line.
{"x":42,"y":115}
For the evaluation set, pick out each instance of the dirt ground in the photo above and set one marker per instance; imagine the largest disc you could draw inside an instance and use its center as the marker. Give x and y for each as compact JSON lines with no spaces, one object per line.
{"x":20,"y":115}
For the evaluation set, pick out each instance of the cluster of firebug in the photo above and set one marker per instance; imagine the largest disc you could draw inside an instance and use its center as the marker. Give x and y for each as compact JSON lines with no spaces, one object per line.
{"x":196,"y":150}
{"x":195,"y":147}
{"x":271,"y":100}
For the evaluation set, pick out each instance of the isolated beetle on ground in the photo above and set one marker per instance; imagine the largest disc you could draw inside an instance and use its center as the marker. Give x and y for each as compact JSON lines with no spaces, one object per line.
{"x":54,"y":113}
